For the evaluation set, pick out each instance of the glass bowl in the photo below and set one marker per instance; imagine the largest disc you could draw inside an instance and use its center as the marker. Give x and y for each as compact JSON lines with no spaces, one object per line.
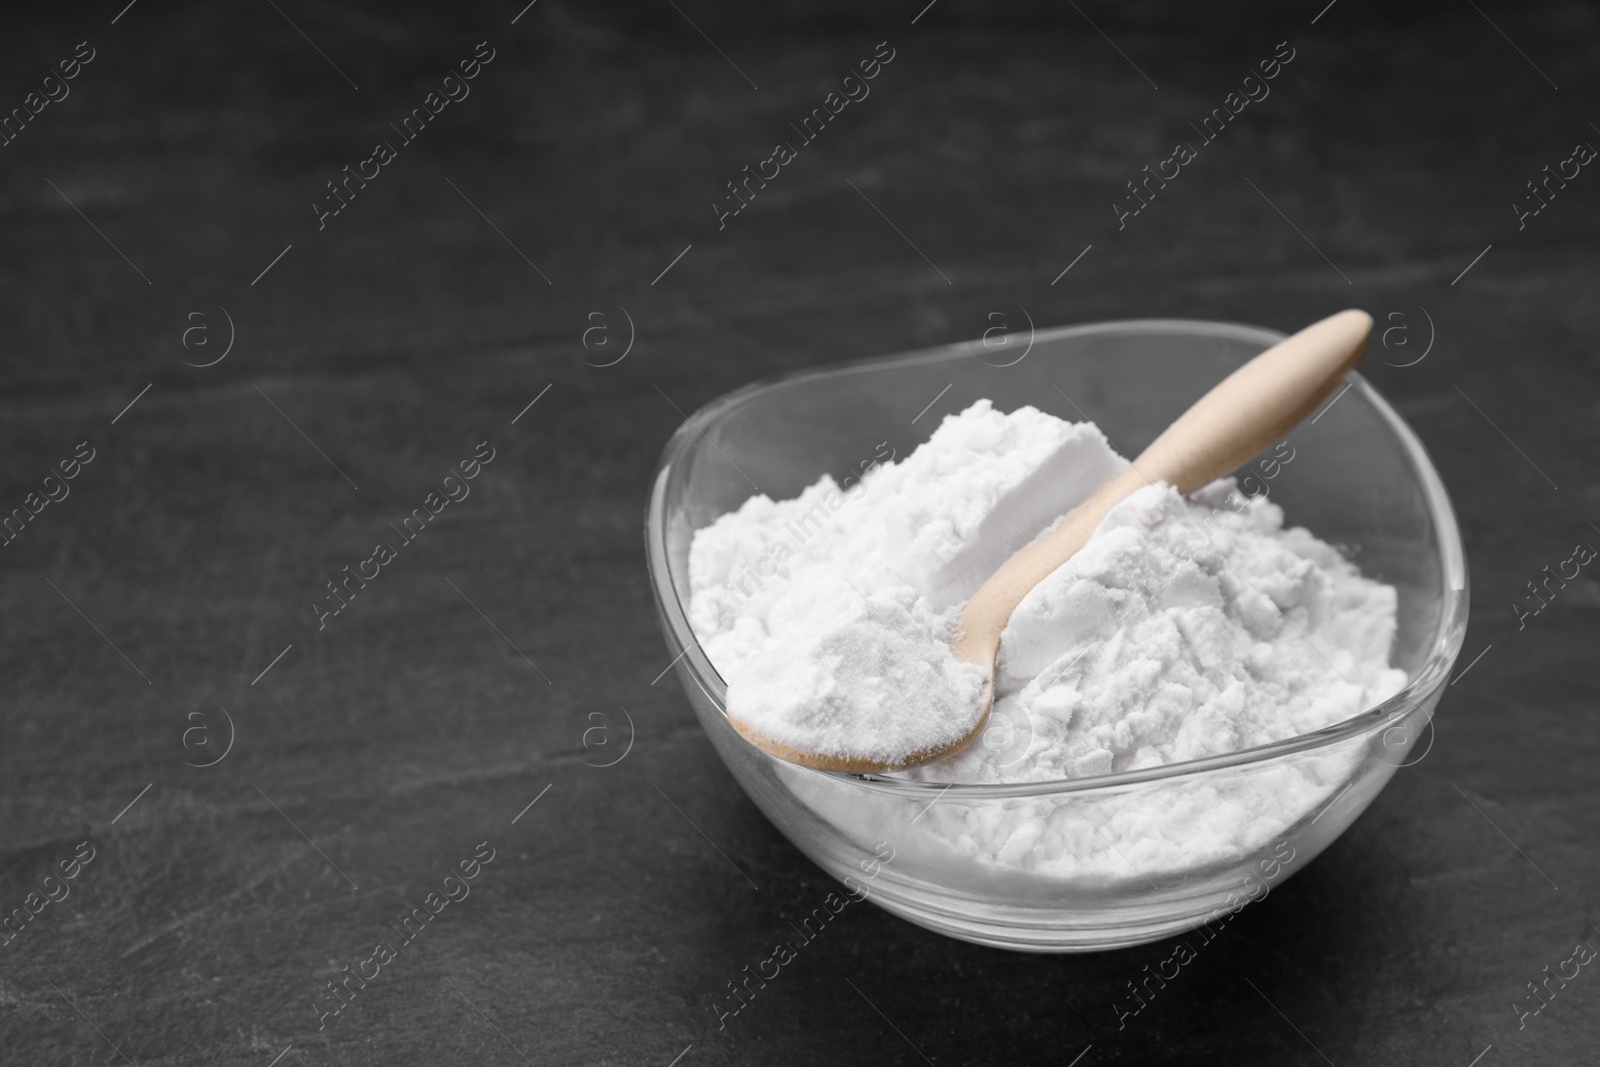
{"x":1198,"y":840}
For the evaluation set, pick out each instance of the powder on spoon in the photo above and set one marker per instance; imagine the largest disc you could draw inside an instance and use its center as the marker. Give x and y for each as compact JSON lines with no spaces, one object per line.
{"x":869,"y":683}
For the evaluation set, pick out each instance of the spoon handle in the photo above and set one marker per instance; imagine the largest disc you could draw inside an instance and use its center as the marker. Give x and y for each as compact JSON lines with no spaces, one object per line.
{"x":1256,"y":404}
{"x":1239,"y":417}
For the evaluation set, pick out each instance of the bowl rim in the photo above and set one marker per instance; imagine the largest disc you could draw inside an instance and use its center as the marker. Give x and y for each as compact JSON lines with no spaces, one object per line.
{"x":1448,"y":636}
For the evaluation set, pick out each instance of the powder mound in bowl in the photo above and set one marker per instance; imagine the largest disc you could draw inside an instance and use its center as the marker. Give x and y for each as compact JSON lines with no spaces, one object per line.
{"x":1180,"y":632}
{"x":877,"y":681}
{"x":1185,"y":628}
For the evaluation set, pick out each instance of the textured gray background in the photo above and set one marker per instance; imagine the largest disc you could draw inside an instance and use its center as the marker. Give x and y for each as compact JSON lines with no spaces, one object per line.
{"x":409,"y":330}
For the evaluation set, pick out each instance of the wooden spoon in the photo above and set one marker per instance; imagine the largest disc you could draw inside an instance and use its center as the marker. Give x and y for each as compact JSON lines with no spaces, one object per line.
{"x":1243,"y":414}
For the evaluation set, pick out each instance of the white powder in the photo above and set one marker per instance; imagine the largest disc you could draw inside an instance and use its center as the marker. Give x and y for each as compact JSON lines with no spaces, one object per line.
{"x":1176,"y":634}
{"x":1184,"y":628}
{"x":870,"y":682}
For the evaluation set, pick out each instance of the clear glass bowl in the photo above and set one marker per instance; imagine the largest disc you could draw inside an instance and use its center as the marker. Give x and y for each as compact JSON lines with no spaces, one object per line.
{"x":1198,"y":840}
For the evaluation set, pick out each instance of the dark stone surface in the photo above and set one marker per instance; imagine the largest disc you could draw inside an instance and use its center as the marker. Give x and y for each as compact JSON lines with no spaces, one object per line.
{"x":408,"y":330}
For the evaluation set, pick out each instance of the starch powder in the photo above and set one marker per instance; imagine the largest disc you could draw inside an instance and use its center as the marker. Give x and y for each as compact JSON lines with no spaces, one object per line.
{"x":1185,"y":628}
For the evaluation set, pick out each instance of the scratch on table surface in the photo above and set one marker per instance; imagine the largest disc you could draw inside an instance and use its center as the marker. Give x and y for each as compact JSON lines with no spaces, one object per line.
{"x":179,"y":922}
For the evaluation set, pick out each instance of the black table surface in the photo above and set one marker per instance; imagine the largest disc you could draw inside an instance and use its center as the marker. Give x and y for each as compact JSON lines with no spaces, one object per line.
{"x":265,"y":385}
